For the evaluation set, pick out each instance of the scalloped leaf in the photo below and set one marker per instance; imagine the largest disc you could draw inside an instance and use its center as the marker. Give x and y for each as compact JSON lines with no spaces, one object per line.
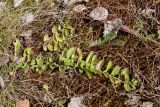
{"x":109,"y":66}
{"x":46,"y":38}
{"x":94,"y":58}
{"x":127,"y":87}
{"x":115,"y":71}
{"x":50,"y":47}
{"x":70,"y":52}
{"x":89,"y":74}
{"x":134,"y":83}
{"x":80,"y":54}
{"x":89,"y":58}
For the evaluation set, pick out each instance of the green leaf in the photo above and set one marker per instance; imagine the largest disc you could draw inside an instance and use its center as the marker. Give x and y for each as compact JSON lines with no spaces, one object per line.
{"x":50,"y":47}
{"x":150,"y":37}
{"x":44,"y":67}
{"x":80,"y":54}
{"x":126,"y":75}
{"x":134,"y":83}
{"x":94,"y":58}
{"x":67,"y":62}
{"x":115,"y":71}
{"x":59,"y":38}
{"x":88,"y":59}
{"x":39,"y":62}
{"x":45,"y":87}
{"x":92,"y":68}
{"x":70,"y":52}
{"x":99,"y":65}
{"x":82,"y":64}
{"x":89,"y":74}
{"x":118,"y":81}
{"x":33,"y":62}
{"x":29,"y":50}
{"x":17,"y":46}
{"x":112,"y":79}
{"x":106,"y":74}
{"x":108,"y":37}
{"x":45,"y":48}
{"x":54,"y":30}
{"x":118,"y":42}
{"x":81,"y":71}
{"x":66,"y":32}
{"x":109,"y":66}
{"x":127,"y":87}
{"x":46,"y":38}
{"x":56,"y":46}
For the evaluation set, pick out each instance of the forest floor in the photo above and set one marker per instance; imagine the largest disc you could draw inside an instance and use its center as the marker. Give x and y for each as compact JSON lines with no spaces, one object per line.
{"x":129,"y":49}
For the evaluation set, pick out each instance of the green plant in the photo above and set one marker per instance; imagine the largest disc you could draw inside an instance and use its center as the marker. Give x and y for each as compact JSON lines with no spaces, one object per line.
{"x":73,"y":58}
{"x":108,"y":37}
{"x":39,"y":64}
{"x":58,"y":39}
{"x":17,"y":46}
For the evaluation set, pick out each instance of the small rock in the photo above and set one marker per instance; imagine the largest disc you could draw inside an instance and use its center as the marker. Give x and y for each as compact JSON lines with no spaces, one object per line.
{"x":99,"y":13}
{"x":147,"y":104}
{"x":2,"y":84}
{"x":76,"y":102}
{"x":79,"y":8}
{"x":17,"y":2}
{"x":27,"y":18}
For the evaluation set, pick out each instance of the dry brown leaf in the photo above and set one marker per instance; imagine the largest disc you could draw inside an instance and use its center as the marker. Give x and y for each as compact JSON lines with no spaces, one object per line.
{"x":99,"y":13}
{"x":23,"y":103}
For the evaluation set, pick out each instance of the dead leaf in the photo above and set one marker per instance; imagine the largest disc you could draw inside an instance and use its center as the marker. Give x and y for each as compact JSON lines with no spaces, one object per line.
{"x":99,"y":13}
{"x":76,"y":102}
{"x":147,"y":104}
{"x":148,"y":12}
{"x":23,"y":103}
{"x":79,"y":8}
{"x":112,"y":26}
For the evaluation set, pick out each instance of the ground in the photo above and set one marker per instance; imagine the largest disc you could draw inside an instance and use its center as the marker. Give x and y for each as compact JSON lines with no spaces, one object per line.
{"x":140,"y":56}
